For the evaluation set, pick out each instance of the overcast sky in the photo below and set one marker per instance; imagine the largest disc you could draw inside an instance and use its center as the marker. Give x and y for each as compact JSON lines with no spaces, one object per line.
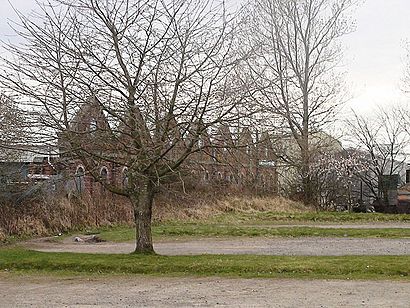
{"x":373,"y":57}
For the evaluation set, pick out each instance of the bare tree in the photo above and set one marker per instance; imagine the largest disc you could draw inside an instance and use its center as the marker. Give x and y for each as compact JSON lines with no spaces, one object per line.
{"x":382,"y":140}
{"x":157,"y":73}
{"x":335,"y":178}
{"x":12,"y":128}
{"x":405,"y":82}
{"x":293,"y":68}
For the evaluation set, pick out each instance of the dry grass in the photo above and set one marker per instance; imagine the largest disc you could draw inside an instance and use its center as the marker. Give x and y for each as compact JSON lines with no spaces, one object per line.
{"x":55,"y":215}
{"x":207,"y":206}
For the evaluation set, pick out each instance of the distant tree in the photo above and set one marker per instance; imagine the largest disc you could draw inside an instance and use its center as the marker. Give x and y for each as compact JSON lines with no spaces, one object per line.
{"x":160,"y":72}
{"x":381,"y":139}
{"x":295,"y":47}
{"x":12,"y":128}
{"x":335,"y":177}
{"x":405,"y":84}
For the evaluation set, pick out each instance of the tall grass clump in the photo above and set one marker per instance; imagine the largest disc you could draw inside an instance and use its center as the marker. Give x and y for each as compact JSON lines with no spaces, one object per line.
{"x":51,"y":215}
{"x":48,"y":215}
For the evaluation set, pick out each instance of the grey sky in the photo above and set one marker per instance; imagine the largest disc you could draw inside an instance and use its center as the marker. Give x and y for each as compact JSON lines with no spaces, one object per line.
{"x":374,"y":52}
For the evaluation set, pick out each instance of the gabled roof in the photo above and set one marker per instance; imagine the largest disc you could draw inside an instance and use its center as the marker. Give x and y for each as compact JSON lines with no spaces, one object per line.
{"x":90,"y":112}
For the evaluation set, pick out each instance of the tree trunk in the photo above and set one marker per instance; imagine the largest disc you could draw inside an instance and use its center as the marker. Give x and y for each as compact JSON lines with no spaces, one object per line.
{"x":307,"y":184}
{"x":308,"y":189}
{"x":142,"y":202}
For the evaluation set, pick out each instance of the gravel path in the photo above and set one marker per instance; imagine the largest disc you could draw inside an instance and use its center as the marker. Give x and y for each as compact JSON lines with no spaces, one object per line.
{"x":370,"y":225}
{"x":140,"y":291}
{"x":309,"y":246}
{"x":198,"y":292}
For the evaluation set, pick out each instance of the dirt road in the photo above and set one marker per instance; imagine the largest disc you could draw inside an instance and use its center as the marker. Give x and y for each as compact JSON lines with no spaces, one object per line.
{"x":309,"y":246}
{"x":141,"y":291}
{"x":202,"y":292}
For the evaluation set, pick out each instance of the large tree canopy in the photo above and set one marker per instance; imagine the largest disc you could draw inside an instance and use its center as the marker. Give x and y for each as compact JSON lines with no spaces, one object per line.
{"x":160,"y":72}
{"x":13,"y":129}
{"x":292,"y":72}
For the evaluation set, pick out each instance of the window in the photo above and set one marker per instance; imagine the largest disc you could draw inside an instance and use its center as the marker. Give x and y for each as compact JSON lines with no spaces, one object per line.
{"x":206,"y":176}
{"x":124,"y":177}
{"x":79,"y":179}
{"x":104,"y":174}
{"x":231,"y":178}
{"x":93,"y":126}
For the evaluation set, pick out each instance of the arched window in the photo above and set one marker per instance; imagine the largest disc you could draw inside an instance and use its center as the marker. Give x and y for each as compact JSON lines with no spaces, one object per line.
{"x":213,"y":154}
{"x":104,"y":174}
{"x":79,"y":179}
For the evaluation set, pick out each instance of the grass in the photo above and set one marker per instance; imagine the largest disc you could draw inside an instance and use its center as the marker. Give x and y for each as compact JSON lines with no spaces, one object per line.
{"x":246,"y":222}
{"x":13,"y":239}
{"x":256,"y":223}
{"x":124,"y":234}
{"x":264,"y":224}
{"x":310,"y":217}
{"x":246,"y":266}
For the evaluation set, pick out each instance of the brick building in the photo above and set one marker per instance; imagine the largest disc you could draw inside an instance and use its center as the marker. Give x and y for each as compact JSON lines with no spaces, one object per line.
{"x":238,"y":159}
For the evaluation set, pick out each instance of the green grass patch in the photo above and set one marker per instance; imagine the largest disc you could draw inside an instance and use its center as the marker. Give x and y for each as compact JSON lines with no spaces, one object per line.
{"x":324,"y":217}
{"x":124,"y":234}
{"x":247,"y":266}
{"x":264,"y":224}
{"x":13,"y":239}
{"x":258,"y":224}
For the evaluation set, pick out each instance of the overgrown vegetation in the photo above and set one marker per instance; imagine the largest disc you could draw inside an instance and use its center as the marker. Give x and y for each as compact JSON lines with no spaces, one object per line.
{"x":230,"y":216}
{"x":123,"y":234}
{"x":206,"y":205}
{"x":320,"y":217}
{"x":347,"y":267}
{"x":52,"y":216}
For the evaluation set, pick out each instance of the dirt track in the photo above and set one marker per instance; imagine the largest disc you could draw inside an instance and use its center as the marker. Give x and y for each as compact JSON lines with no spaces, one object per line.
{"x":140,"y":291}
{"x":369,"y":225}
{"x":260,"y":246}
{"x":205,"y":292}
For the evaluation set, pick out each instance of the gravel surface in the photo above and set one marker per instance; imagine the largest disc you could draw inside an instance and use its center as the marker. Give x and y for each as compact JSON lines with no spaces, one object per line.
{"x":309,"y":246}
{"x":141,"y":291}
{"x":198,"y":292}
{"x":370,"y":225}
